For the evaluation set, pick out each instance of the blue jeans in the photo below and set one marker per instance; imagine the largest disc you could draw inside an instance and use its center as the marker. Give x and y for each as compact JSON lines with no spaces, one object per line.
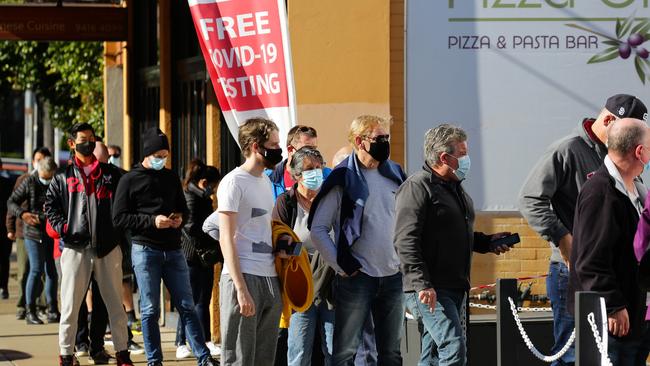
{"x":201,"y":280}
{"x":151,"y":266}
{"x":358,"y":296}
{"x":624,"y":352}
{"x":41,"y":259}
{"x":563,"y":323}
{"x":446,"y":339}
{"x":302,"y":330}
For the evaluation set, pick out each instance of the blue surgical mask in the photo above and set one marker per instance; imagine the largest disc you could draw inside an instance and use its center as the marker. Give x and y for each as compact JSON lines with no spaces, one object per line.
{"x":157,"y":163}
{"x":312,"y":179}
{"x":44,"y":181}
{"x":463,"y":167}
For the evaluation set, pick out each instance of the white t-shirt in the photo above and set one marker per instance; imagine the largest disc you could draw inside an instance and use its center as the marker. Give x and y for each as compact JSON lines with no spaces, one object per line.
{"x":251,"y":198}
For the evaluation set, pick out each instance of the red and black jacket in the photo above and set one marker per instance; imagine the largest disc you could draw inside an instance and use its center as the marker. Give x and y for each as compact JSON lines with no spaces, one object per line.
{"x":79,"y":207}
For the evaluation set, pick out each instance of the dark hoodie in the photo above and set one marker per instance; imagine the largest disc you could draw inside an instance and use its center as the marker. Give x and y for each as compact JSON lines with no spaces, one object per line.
{"x":144,"y":194}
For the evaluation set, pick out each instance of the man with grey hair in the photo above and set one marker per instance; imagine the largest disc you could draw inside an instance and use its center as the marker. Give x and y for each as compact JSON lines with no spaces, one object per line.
{"x":602,"y":257}
{"x":548,"y":200}
{"x":39,"y":246}
{"x":435,"y":237}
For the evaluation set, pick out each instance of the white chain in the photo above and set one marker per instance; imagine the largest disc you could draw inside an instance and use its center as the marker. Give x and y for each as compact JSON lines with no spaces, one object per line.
{"x":534,"y":310}
{"x":522,"y":309}
{"x":481,"y":306}
{"x":599,"y":342}
{"x":530,"y":345}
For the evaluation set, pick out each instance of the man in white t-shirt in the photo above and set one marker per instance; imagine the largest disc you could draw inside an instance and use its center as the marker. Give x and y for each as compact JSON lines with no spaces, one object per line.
{"x":250,"y":296}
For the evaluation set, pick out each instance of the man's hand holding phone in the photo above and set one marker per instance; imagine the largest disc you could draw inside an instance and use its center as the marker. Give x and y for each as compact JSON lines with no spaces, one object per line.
{"x":176,"y":220}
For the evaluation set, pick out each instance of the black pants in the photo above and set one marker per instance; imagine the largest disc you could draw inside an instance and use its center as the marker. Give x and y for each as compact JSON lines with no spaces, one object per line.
{"x":93,"y":335}
{"x":5,"y":253}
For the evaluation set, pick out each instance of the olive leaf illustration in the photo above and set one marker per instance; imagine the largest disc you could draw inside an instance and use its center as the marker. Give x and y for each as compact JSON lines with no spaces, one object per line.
{"x":631,"y":33}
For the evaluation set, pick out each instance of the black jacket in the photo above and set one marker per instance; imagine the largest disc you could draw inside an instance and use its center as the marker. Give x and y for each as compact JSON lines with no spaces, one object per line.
{"x":602,"y":256}
{"x":434,"y":233}
{"x":32,"y":191}
{"x":144,"y":194}
{"x":286,"y":210}
{"x":5,"y":193}
{"x":79,"y":207}
{"x":199,"y":207}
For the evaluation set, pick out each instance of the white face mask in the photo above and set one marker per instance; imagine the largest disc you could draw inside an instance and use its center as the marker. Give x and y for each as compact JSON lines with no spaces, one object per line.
{"x":115,"y":161}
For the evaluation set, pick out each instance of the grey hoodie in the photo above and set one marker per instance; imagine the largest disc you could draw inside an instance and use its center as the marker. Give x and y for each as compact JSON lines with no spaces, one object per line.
{"x":548,"y":197}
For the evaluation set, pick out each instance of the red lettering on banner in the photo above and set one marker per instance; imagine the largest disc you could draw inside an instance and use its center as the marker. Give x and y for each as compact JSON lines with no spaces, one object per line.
{"x":243,"y":47}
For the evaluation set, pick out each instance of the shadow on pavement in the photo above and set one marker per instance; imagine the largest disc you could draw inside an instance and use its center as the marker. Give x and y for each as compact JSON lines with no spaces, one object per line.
{"x":11,"y":355}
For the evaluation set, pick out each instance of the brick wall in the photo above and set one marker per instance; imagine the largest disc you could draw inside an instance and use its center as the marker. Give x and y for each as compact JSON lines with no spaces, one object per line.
{"x":528,"y":258}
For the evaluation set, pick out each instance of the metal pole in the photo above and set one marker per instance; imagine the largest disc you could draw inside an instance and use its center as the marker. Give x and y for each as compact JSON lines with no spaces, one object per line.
{"x":586,"y":350}
{"x":506,"y":326}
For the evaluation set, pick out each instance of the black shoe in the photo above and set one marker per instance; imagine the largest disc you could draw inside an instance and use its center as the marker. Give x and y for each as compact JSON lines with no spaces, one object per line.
{"x":101,"y":358}
{"x":210,"y":362}
{"x":20,"y":314}
{"x":4,"y":293}
{"x":32,"y":318}
{"x":155,"y":364}
{"x":68,"y":361}
{"x":53,"y":316}
{"x":135,"y":348}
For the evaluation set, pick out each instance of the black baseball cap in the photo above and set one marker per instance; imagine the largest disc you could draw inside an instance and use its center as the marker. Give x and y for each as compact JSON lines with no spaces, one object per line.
{"x":627,"y":106}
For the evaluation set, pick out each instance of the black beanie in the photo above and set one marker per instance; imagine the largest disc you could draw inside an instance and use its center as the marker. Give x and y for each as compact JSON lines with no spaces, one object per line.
{"x":154,"y":140}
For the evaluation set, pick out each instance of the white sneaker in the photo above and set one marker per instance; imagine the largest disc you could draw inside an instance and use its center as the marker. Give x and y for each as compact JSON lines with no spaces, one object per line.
{"x":214,"y":349}
{"x":183,"y":352}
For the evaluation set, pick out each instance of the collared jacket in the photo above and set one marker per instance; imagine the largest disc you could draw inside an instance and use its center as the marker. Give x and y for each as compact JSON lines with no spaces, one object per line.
{"x":434,"y":233}
{"x":602,"y":255}
{"x":548,"y":197}
{"x":79,"y":207}
{"x":32,"y":192}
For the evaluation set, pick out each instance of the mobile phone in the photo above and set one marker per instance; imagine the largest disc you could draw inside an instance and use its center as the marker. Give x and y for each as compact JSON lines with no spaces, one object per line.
{"x":509,"y":240}
{"x":292,"y":249}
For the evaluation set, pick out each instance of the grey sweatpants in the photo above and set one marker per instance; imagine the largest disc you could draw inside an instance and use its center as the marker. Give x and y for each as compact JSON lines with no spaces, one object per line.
{"x":250,"y":341}
{"x":77,"y":266}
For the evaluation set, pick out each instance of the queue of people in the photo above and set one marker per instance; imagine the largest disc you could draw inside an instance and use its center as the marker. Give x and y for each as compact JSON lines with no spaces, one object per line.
{"x":378,"y":242}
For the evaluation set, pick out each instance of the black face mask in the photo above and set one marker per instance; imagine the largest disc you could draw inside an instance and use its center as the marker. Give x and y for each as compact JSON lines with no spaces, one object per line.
{"x":208,"y":191}
{"x":380,"y":151}
{"x":85,"y":148}
{"x":272,"y":157}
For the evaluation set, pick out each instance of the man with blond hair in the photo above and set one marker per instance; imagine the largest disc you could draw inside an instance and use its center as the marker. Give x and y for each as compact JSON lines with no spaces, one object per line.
{"x":357,"y":202}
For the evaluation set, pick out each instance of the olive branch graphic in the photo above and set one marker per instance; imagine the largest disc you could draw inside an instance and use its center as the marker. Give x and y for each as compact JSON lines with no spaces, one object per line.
{"x":637,"y":31}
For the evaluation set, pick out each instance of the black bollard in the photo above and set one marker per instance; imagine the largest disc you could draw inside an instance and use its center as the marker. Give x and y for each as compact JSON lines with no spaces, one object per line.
{"x":507,"y":333}
{"x":587,"y":353}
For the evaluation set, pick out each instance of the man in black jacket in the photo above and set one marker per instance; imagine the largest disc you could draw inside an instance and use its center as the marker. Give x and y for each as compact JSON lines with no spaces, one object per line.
{"x":150,"y":204}
{"x":434,"y":237}
{"x":606,"y":217}
{"x":78,"y":207}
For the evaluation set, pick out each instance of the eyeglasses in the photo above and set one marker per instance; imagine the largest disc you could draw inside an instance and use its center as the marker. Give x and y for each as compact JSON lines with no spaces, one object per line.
{"x":378,"y":138}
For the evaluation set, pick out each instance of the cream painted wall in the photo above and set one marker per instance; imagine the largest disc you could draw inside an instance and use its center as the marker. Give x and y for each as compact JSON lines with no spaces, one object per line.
{"x":341,"y":61}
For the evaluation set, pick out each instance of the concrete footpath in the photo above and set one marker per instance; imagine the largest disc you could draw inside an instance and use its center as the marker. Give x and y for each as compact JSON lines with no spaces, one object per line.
{"x":37,"y":345}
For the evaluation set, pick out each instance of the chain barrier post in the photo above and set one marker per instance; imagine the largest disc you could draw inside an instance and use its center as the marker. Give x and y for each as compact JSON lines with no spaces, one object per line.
{"x":587,"y":353}
{"x":506,"y":327}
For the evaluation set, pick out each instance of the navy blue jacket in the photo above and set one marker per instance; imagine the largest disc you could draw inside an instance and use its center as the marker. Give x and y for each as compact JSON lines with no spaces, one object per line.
{"x":348,"y":176}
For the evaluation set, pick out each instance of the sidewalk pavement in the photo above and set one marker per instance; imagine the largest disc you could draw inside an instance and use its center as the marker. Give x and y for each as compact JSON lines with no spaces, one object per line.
{"x":37,"y":345}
